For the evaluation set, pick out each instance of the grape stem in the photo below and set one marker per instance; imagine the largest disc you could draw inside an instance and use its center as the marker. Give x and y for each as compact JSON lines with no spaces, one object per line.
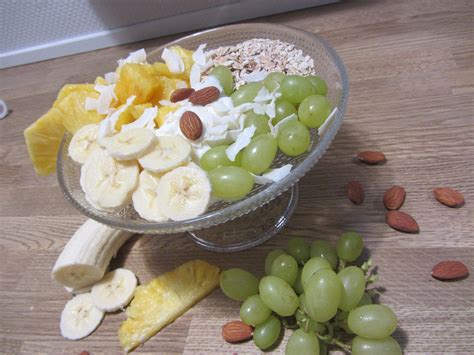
{"x":366,"y":266}
{"x":341,"y":344}
{"x":342,"y":265}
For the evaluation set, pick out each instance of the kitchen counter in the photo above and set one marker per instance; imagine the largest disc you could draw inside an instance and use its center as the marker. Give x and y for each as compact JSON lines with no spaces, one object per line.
{"x":411,"y":71}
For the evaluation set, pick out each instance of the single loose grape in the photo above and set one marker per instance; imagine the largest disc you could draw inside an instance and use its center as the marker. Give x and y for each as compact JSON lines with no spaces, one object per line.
{"x":216,"y":156}
{"x":373,"y":321}
{"x":259,"y":154}
{"x":286,"y":268}
{"x":238,"y":284}
{"x":259,"y":121}
{"x":254,"y":311}
{"x":283,"y":109}
{"x":266,"y":334}
{"x":353,"y":286}
{"x":324,"y":250}
{"x":270,"y":258}
{"x":314,"y":110}
{"x":302,"y":343}
{"x":295,"y":88}
{"x":365,"y":300}
{"x":385,"y":346}
{"x":299,"y":249}
{"x":278,"y":295}
{"x":349,"y":246}
{"x":312,"y":266}
{"x":273,"y":80}
{"x":298,"y":286}
{"x":246,"y":93}
{"x":230,"y":183}
{"x":224,"y":75}
{"x":294,"y":138}
{"x":322,"y":295}
{"x":319,"y":84}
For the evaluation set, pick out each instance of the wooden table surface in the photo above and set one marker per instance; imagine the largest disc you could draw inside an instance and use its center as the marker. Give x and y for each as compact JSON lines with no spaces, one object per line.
{"x":411,"y":70}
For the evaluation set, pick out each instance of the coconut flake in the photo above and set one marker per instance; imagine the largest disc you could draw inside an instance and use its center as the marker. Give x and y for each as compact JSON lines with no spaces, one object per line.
{"x":255,"y":76}
{"x":270,"y":110}
{"x":263,"y":95}
{"x":324,"y":127}
{"x":90,"y":104}
{"x":107,"y":125}
{"x":107,"y":95}
{"x":146,"y":120}
{"x":195,"y":75}
{"x":173,"y":61}
{"x":276,"y":128}
{"x":181,"y":84}
{"x":211,"y":80}
{"x":111,"y":77}
{"x":137,"y":57}
{"x":243,"y":140}
{"x":273,"y":175}
{"x":199,"y":57}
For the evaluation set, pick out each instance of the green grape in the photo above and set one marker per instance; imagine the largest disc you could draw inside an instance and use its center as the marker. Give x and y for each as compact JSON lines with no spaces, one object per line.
{"x":266,"y":334}
{"x":224,"y":75}
{"x":246,"y":93}
{"x":273,"y":80}
{"x":294,"y":138}
{"x":324,"y":250}
{"x":253,"y":311}
{"x":278,"y":295}
{"x":373,"y":321}
{"x":283,"y":109}
{"x":238,"y":284}
{"x":286,"y":268}
{"x":298,"y":286}
{"x":216,"y":156}
{"x":302,"y":343}
{"x":349,"y":246}
{"x":312,"y":266}
{"x":230,"y":183}
{"x":303,"y":307}
{"x":270,"y":258}
{"x":259,"y":121}
{"x":295,"y":88}
{"x":319,"y":84}
{"x":323,"y":294}
{"x":353,"y":287}
{"x":259,"y":154}
{"x":385,"y":346}
{"x":299,"y":249}
{"x":314,"y":110}
{"x":365,"y":300}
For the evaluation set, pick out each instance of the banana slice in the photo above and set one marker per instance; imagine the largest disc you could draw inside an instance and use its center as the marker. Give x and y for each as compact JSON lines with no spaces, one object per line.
{"x":83,"y":143}
{"x":144,"y":197}
{"x":184,"y":193}
{"x":130,"y":144}
{"x":114,"y":291}
{"x":80,"y":317}
{"x":169,"y":152}
{"x":108,"y":183}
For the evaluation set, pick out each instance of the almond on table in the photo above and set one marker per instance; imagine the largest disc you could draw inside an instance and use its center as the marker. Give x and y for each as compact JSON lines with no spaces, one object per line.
{"x":401,"y":221}
{"x":355,"y":192}
{"x":371,"y":157}
{"x":448,"y":197}
{"x":394,"y":197}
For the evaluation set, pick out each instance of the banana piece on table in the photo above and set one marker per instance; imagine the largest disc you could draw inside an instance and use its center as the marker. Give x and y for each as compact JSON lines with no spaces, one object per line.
{"x":108,"y":183}
{"x":80,"y":317}
{"x":168,"y":153}
{"x":144,"y":197}
{"x":184,"y":193}
{"x":130,"y":144}
{"x":114,"y":291}
{"x":83,"y":143}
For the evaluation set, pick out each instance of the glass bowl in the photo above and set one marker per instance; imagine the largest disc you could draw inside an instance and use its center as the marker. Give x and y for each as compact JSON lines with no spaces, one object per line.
{"x":246,"y":222}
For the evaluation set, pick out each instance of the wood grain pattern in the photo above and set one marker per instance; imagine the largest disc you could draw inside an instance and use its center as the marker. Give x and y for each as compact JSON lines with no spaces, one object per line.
{"x":411,"y":68}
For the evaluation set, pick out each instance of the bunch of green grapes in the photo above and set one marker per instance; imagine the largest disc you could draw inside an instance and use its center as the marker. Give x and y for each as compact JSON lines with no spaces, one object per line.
{"x":314,"y":289}
{"x":303,"y":96}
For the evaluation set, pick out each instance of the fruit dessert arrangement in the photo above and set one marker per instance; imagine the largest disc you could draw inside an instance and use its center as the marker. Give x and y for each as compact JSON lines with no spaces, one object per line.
{"x":172,"y":137}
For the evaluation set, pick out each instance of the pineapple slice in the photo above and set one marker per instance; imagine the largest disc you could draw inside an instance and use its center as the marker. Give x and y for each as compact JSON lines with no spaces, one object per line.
{"x":43,"y":138}
{"x":164,"y":299}
{"x":135,"y":80}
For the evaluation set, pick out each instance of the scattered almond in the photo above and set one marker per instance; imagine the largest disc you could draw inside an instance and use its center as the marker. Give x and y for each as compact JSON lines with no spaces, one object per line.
{"x":204,"y":96}
{"x":84,"y":353}
{"x":448,"y":197}
{"x":191,"y":125}
{"x":236,"y":332}
{"x":449,"y":270}
{"x":394,"y":197}
{"x":181,"y":94}
{"x":371,"y":157}
{"x":355,"y":192}
{"x":401,"y":221}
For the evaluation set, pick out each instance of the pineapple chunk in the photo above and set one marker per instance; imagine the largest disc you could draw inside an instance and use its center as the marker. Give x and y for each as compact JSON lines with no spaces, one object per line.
{"x":188,"y":61}
{"x":70,"y":88}
{"x":137,"y":110}
{"x":164,"y":299}
{"x":168,"y":85}
{"x":130,"y":114}
{"x":135,"y":80}
{"x":162,"y":113}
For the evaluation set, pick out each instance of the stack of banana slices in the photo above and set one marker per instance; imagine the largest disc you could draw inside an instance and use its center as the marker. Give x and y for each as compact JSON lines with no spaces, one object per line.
{"x":156,"y":173}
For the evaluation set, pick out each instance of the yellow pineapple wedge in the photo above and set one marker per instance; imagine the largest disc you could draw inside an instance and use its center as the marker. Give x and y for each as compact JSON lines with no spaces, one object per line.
{"x":164,"y":299}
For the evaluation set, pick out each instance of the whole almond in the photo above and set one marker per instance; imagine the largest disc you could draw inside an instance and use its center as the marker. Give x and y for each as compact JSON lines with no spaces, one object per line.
{"x":355,"y":192}
{"x":191,"y":125}
{"x":181,"y":94}
{"x":448,"y":197}
{"x":394,"y":197}
{"x":401,"y":221}
{"x":449,"y":270}
{"x":204,"y":96}
{"x":236,"y":332}
{"x":371,"y":157}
